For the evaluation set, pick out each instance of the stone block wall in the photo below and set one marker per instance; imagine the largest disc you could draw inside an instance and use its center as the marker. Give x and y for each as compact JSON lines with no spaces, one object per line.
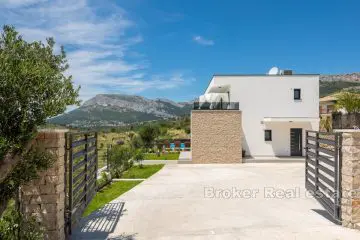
{"x":44,"y":198}
{"x":350,"y":202}
{"x":216,"y":136}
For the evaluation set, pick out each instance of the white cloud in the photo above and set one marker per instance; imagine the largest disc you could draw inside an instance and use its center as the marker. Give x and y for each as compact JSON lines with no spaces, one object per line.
{"x":203,"y":41}
{"x":99,"y":40}
{"x":17,"y":3}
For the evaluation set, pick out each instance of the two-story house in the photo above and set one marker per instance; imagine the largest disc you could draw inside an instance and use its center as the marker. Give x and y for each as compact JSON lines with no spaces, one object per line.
{"x":270,"y":116}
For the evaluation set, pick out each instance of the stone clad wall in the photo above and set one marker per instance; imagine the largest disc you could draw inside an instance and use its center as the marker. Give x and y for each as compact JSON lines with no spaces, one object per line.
{"x":44,"y":198}
{"x":216,"y":136}
{"x":350,"y":202}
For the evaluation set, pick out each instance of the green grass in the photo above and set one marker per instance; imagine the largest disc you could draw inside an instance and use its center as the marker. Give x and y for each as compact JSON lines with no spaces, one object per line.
{"x":108,"y":194}
{"x":114,"y":190}
{"x":166,"y":156}
{"x":144,"y":172}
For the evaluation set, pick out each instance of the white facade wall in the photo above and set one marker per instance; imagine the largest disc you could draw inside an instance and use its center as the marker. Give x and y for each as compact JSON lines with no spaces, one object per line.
{"x":265,"y":96}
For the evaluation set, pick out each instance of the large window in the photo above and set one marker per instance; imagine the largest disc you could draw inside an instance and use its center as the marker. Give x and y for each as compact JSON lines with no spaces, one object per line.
{"x":268,"y":135}
{"x":297,"y":94}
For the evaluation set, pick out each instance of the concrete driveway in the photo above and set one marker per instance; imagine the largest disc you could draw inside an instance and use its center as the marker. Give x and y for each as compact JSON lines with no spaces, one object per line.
{"x":178,"y":203}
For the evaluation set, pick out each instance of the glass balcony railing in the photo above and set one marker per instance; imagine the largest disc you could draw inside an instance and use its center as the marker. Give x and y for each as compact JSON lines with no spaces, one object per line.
{"x":216,"y":106}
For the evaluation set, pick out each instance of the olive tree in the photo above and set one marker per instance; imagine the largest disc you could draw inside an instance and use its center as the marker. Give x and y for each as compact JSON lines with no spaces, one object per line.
{"x":33,"y":88}
{"x":148,"y":134}
{"x":120,"y":159}
{"x":139,"y":156}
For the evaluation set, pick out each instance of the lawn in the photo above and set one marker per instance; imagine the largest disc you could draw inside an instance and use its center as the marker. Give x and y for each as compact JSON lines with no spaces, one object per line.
{"x":108,"y":194}
{"x":144,"y":172}
{"x":166,"y":156}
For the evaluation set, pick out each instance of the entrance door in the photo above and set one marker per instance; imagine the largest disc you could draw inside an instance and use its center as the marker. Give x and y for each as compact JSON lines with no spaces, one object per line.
{"x":296,"y":141}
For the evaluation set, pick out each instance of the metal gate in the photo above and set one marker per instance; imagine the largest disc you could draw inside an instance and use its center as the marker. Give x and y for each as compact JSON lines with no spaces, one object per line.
{"x":322,"y":169}
{"x":81,"y":164}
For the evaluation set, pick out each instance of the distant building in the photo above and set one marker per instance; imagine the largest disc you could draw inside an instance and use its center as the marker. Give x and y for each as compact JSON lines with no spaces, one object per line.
{"x":327,"y":105}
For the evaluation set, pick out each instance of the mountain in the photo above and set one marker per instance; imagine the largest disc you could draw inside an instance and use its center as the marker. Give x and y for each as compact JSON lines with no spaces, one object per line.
{"x":119,"y":110}
{"x":334,"y":83}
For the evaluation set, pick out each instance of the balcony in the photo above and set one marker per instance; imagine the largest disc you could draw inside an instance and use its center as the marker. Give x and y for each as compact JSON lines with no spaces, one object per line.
{"x":216,"y":106}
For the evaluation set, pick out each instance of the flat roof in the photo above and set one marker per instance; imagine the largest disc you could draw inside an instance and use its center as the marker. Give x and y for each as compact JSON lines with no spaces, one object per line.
{"x":263,"y":75}
{"x":256,"y":75}
{"x":290,"y":119}
{"x":330,"y":98}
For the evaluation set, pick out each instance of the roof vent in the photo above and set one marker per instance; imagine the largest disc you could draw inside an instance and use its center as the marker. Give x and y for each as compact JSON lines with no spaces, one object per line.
{"x":288,"y":72}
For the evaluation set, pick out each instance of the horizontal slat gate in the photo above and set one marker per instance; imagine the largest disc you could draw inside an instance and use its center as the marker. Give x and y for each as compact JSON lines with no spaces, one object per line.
{"x":322,"y":170}
{"x":81,"y":173}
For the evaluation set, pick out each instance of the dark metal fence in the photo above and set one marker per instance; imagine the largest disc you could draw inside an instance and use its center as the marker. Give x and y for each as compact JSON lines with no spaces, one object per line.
{"x":81,"y":160}
{"x":216,"y":106}
{"x":345,"y":121}
{"x":323,"y":169}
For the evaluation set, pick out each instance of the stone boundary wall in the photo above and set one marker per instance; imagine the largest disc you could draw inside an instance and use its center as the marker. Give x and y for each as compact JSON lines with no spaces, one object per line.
{"x":350,"y":175}
{"x":44,"y":198}
{"x":216,"y":136}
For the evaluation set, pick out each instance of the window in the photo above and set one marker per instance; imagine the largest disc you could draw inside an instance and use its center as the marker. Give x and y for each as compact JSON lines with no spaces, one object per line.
{"x":297,"y":94}
{"x":268,"y":136}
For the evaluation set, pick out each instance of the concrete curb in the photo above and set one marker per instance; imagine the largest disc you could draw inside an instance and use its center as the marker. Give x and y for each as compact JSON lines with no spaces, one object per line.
{"x":127,"y":179}
{"x":151,"y":162}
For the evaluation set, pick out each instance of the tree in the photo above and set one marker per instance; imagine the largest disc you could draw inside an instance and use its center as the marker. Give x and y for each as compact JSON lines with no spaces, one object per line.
{"x":119,"y":159}
{"x":349,"y":101}
{"x":136,"y":141}
{"x":139,"y":156}
{"x":33,"y":88}
{"x":148,"y":134}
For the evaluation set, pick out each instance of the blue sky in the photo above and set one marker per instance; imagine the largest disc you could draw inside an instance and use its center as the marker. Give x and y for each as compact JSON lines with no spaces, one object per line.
{"x":170,"y":48}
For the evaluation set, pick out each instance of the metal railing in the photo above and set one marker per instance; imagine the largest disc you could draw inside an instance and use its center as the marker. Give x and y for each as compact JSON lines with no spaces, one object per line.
{"x":216,"y":106}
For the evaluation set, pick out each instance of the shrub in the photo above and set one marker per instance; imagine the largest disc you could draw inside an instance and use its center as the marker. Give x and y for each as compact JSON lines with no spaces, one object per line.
{"x":14,"y":225}
{"x":136,"y":141}
{"x":104,"y":179}
{"x":120,"y":159}
{"x":325,"y":124}
{"x":139,"y":156}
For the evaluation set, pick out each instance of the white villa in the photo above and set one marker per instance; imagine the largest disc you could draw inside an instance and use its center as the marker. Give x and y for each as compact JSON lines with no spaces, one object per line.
{"x":274,"y":109}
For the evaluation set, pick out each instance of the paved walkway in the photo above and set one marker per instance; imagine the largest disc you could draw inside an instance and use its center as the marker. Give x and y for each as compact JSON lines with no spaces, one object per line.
{"x":185,"y":155}
{"x":176,"y":203}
